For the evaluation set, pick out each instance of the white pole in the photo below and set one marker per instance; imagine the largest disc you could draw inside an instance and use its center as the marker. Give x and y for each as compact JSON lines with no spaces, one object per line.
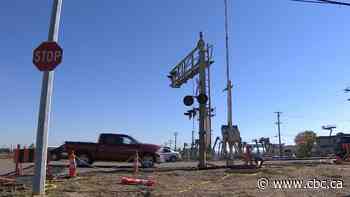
{"x":229,"y":85}
{"x":44,"y":110}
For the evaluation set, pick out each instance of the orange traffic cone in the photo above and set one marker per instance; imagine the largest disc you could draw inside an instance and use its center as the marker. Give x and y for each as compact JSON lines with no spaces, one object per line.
{"x":136,"y":163}
{"x":72,"y":165}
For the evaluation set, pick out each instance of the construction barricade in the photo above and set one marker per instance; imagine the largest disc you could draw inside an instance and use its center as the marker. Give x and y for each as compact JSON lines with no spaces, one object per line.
{"x":24,"y":155}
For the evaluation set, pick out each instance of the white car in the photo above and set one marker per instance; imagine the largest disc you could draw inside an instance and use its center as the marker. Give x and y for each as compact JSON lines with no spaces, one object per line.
{"x":168,"y":155}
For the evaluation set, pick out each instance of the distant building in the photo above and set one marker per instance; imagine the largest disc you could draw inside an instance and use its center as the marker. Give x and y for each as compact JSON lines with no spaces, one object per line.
{"x":324,"y":146}
{"x":275,"y":149}
{"x":289,"y":150}
{"x":327,"y":145}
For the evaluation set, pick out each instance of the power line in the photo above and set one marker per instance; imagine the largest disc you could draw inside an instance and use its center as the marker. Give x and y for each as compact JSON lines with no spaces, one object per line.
{"x":324,"y":2}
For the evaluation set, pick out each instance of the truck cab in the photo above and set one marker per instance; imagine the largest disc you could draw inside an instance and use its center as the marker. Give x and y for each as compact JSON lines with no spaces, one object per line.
{"x":117,"y":147}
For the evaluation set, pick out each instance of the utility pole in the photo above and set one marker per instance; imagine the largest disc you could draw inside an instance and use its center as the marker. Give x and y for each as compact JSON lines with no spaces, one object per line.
{"x":279,"y":131}
{"x":44,"y":110}
{"x":229,"y":129}
{"x":175,"y":135}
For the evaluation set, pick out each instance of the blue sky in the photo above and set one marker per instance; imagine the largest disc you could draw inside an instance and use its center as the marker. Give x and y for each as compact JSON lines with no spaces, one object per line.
{"x":285,"y":56}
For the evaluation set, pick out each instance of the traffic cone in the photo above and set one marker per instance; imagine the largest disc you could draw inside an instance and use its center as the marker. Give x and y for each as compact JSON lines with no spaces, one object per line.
{"x":72,"y":165}
{"x":136,"y":163}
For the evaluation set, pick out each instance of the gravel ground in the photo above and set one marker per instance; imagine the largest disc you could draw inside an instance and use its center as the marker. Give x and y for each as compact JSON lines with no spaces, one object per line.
{"x":104,"y":180}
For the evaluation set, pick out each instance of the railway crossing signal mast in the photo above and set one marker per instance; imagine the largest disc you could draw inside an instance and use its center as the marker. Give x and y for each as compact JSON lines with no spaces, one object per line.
{"x":195,"y":63}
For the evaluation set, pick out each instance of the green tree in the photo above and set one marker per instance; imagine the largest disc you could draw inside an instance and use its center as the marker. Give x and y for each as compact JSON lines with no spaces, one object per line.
{"x":305,"y":141}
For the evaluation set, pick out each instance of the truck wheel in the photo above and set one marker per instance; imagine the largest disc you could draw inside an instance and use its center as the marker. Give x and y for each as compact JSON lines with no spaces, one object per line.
{"x":147,"y":161}
{"x":84,"y":160}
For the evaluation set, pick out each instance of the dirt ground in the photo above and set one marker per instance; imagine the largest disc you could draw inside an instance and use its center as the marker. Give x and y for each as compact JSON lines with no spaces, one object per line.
{"x":177,"y":181}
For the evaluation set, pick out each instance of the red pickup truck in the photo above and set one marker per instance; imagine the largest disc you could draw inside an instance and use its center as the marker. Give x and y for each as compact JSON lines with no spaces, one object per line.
{"x":110,"y":147}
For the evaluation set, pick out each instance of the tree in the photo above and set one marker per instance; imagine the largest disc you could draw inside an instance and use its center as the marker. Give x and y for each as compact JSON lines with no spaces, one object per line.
{"x":305,"y":141}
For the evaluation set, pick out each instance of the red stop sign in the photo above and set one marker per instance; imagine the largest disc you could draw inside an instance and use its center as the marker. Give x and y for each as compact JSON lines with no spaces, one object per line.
{"x":47,"y":56}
